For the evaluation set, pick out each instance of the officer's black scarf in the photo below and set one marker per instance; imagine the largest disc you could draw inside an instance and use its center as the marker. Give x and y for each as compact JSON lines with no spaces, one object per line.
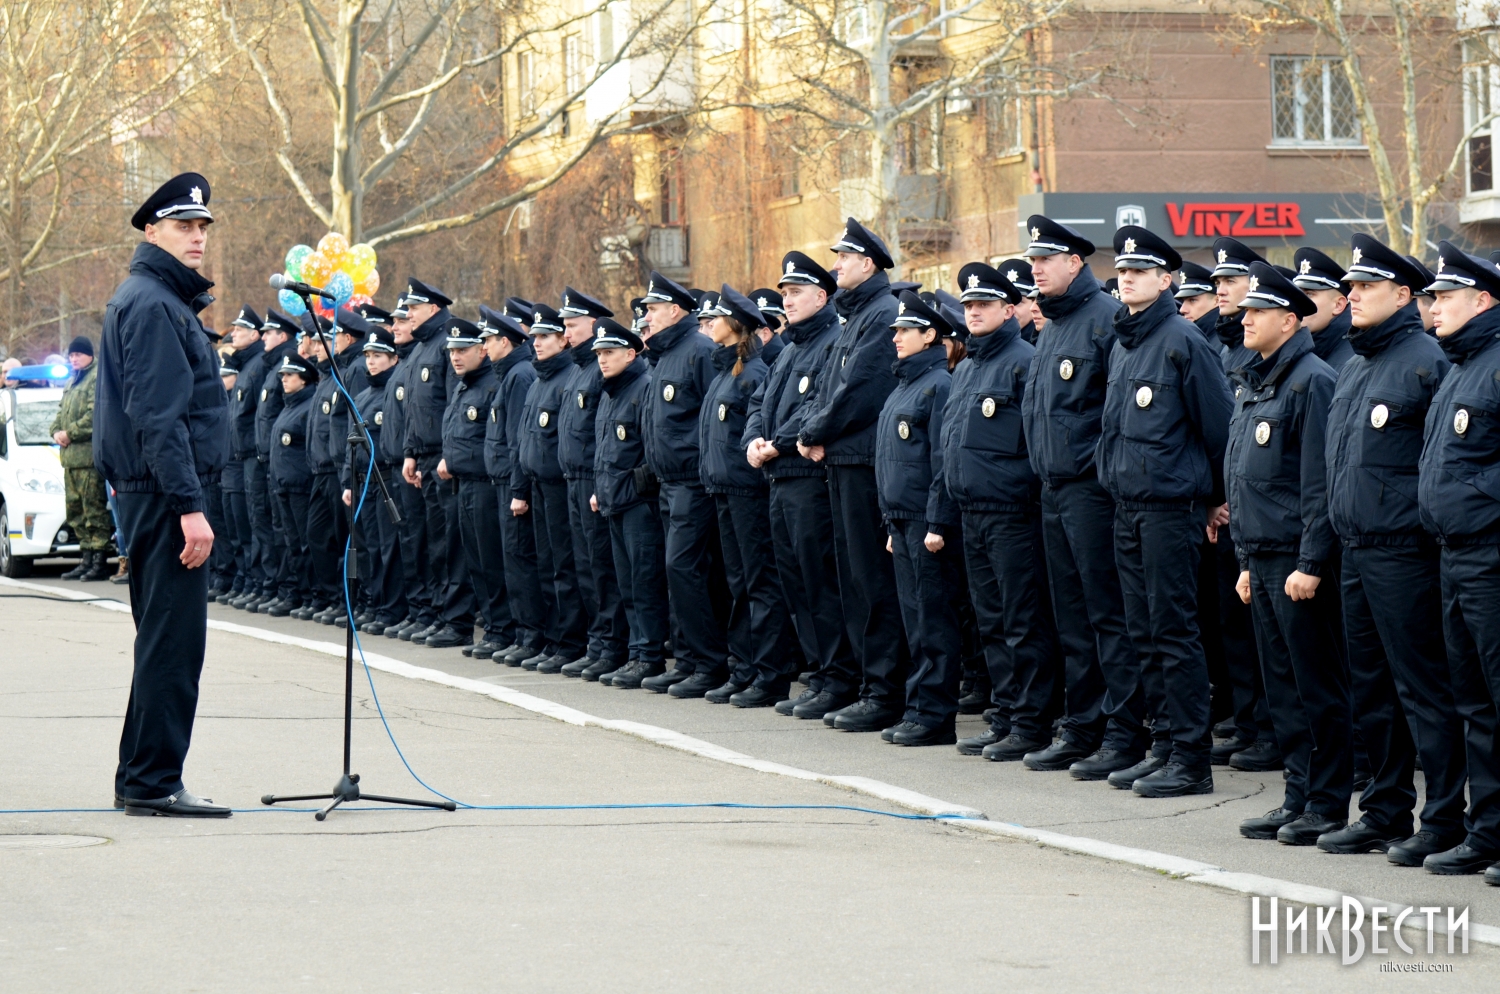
{"x":548,"y":368}
{"x":1079,"y":292}
{"x":806,"y":331}
{"x":982,"y":348}
{"x":478,"y":371}
{"x":432,"y":325}
{"x":1231,"y":329}
{"x":663,"y":341}
{"x":1132,"y":329}
{"x":851,"y":302}
{"x":625,"y":377}
{"x":1372,"y":341}
{"x":521,"y":353}
{"x":377,"y":380}
{"x":152,"y":260}
{"x":1274,"y":366}
{"x":582,"y":355}
{"x":1325,"y":341}
{"x":913,"y":366}
{"x":1468,"y":341}
{"x":1209,"y":324}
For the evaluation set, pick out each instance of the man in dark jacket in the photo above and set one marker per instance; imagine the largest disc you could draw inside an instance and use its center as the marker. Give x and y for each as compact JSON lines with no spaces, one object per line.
{"x":801,"y":516}
{"x":1460,"y":505}
{"x":324,"y":508}
{"x":412,"y":530}
{"x":1278,"y":511}
{"x":1322,"y":280}
{"x":1391,"y":573}
{"x":1161,"y":457}
{"x":385,"y":582}
{"x":349,"y":332}
{"x":278,"y":340}
{"x":249,"y":362}
{"x":838,"y":430}
{"x":291,"y":479}
{"x":161,"y":436}
{"x":1197,"y":300}
{"x":1103,"y":726}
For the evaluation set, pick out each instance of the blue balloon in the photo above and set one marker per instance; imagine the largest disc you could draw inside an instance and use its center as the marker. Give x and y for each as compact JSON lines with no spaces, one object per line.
{"x":291,"y":303}
{"x":341,"y":286}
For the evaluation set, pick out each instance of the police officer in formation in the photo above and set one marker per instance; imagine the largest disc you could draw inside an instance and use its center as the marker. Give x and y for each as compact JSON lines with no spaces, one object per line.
{"x":1262,"y":496}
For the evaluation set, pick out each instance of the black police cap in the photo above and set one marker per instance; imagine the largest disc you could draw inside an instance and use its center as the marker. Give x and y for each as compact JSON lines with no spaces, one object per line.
{"x":1270,"y":286}
{"x":914,"y":312}
{"x":733,"y":304}
{"x":1426,"y":274}
{"x":400,"y":311}
{"x":861,"y":240}
{"x":611,"y":334}
{"x":277,"y":321}
{"x":1141,"y":248}
{"x":351,"y":323}
{"x":296,"y":364}
{"x":952,"y":310}
{"x":1196,"y":281}
{"x":182,"y":198}
{"x":493,"y":322}
{"x":418,"y":292}
{"x":1233,"y":257}
{"x":462,"y":334}
{"x":1373,"y":261}
{"x":1458,"y":270}
{"x":798,"y":268}
{"x":980,"y":281}
{"x":545,"y":321}
{"x":375,"y":315}
{"x":247,"y":318}
{"x":520,"y":309}
{"x":707,"y":301}
{"x":581,"y":305}
{"x":637,"y":313}
{"x":1018,"y":271}
{"x":660,"y":290}
{"x":1316,"y":271}
{"x":768,"y":301}
{"x":1112,"y":287}
{"x":1049,"y":237}
{"x":380,"y":339}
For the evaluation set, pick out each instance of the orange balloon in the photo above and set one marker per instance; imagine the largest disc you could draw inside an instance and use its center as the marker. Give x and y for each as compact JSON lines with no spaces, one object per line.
{"x":359,"y":262}
{"x":369,"y":285}
{"x":316,"y":269}
{"x":334,"y":247}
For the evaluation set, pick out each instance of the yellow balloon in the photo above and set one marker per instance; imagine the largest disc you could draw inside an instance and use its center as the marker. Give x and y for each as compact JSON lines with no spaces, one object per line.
{"x":359,"y":262}
{"x":316,"y":269}
{"x":369,"y":285}
{"x":334,"y":247}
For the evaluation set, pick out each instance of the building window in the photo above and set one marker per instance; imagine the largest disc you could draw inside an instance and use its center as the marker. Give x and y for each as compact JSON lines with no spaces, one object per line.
{"x":573,"y":74}
{"x":1002,"y":126}
{"x":934,"y":277}
{"x":725,"y":31}
{"x":670,"y":192}
{"x":526,"y":83}
{"x":1480,"y":83}
{"x":854,"y":23}
{"x":604,"y":35}
{"x":1311,"y":102}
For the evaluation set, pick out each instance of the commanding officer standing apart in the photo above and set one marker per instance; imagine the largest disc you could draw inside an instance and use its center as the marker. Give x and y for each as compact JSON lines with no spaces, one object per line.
{"x":1460,"y":505}
{"x":1391,"y":584}
{"x":1061,"y":408}
{"x":838,"y":430}
{"x":1278,"y":511}
{"x":1161,"y":455}
{"x":161,"y":437}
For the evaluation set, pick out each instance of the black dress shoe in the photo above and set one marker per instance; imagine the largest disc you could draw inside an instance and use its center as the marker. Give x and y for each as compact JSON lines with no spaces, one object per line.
{"x":1417,"y":848}
{"x":722,"y":693}
{"x":1358,"y":838}
{"x":375,"y":627}
{"x":281,"y":610}
{"x":265,"y":606}
{"x":608,"y":679}
{"x":973,"y":703}
{"x":829,"y":717}
{"x":820,"y":705}
{"x":119,"y":803}
{"x":303,"y":613}
{"x":448,"y":638}
{"x":889,"y":734}
{"x":226,"y":597}
{"x":974,"y":746}
{"x":363,"y":618}
{"x":1219,"y":754}
{"x":1012,"y":748}
{"x":419,"y":634}
{"x":1362,"y":779}
{"x":785,"y":707}
{"x":1307,"y":827}
{"x":555,"y":664}
{"x":1058,"y":756}
{"x":1226,"y":729}
{"x":633,"y":677}
{"x":1461,"y":859}
{"x":1267,"y":825}
{"x":599,"y":669}
{"x":755,"y":697}
{"x":662,"y":682}
{"x":341,"y":620}
{"x":517,"y":655}
{"x":394,"y":631}
{"x":696,"y":685}
{"x":911,"y":733}
{"x":327,"y":615}
{"x":1126,"y":778}
{"x":178,"y":805}
{"x":536,"y":659}
{"x":409,"y":629}
{"x":577,"y":666}
{"x":1261,"y":757}
{"x":1103,"y":762}
{"x":482,"y":650}
{"x":1176,"y":780}
{"x":866,"y":716}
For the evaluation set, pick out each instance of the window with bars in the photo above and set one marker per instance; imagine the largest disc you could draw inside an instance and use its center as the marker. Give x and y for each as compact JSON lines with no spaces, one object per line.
{"x":1311,"y":102}
{"x":526,"y":83}
{"x":1002,"y":126}
{"x":1480,"y":83}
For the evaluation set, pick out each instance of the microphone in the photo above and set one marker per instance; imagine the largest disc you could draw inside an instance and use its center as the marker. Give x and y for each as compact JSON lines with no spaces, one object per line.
{"x":280,"y":281}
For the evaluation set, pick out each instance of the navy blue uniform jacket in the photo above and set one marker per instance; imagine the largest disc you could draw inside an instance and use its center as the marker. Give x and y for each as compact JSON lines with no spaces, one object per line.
{"x":465,"y":421}
{"x":1460,"y":481}
{"x":290,"y":470}
{"x":776,"y":410}
{"x":680,"y":375}
{"x":852,"y":390}
{"x":618,"y":443}
{"x":371,"y":401}
{"x":514,"y":376}
{"x":575,"y":433}
{"x":985,"y":463}
{"x":721,"y":426}
{"x":393,"y":435}
{"x":539,"y":418}
{"x":430,"y":381}
{"x":270,"y":398}
{"x":908,"y":443}
{"x":243,"y":399}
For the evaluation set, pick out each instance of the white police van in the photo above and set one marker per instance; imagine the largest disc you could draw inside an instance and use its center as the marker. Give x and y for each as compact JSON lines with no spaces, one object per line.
{"x":33,"y":513}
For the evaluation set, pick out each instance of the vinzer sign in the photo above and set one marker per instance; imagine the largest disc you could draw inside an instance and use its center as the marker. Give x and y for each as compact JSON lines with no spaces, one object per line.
{"x":1194,"y":220}
{"x":1276,"y":219}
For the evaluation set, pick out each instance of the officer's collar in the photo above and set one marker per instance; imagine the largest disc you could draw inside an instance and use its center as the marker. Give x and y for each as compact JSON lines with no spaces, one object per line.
{"x":432,"y":326}
{"x":1133,"y":329}
{"x":1082,"y":290}
{"x":1478,"y":334}
{"x":982,"y":348}
{"x":548,"y":368}
{"x":1230,"y":329}
{"x":805,"y":331}
{"x":849,"y":302}
{"x":150,"y":260}
{"x":664,"y":341}
{"x":1372,"y":341}
{"x":1327,"y":340}
{"x":474,"y":375}
{"x":913,"y":366}
{"x":301,"y":396}
{"x":521,"y":353}
{"x":377,"y":380}
{"x":1269,"y":371}
{"x":626,"y":376}
{"x":583,"y":355}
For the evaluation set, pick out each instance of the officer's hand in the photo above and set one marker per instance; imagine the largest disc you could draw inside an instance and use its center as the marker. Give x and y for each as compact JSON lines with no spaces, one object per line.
{"x":197,"y":540}
{"x":813,"y":452}
{"x":768,"y":452}
{"x":518,"y":507}
{"x":1242,"y":586}
{"x":1302,"y":587}
{"x":888,"y":547}
{"x":1218,"y":517}
{"x":348,"y":498}
{"x":934,"y":542}
{"x":409,"y":473}
{"x":593,"y":503}
{"x":752,"y":453}
{"x":61,"y":438}
{"x":442,"y":470}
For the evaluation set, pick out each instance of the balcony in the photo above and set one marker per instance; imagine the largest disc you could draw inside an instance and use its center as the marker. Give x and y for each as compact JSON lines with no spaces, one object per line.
{"x":667,"y":251}
{"x":922,"y":207}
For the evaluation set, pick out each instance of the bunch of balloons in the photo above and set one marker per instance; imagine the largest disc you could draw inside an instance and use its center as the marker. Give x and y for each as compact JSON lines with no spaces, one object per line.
{"x":346,"y":271}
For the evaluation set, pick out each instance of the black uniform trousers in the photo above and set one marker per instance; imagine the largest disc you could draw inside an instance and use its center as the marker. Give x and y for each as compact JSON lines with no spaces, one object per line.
{"x":447,"y":572}
{"x":867,"y":585}
{"x":1104,"y":696}
{"x":801,"y":522}
{"x":237,"y":518}
{"x":479,"y":530}
{"x":220,"y":563}
{"x":387,"y":582}
{"x":609,"y":635}
{"x":1156,"y":551}
{"x":1403,"y":696}
{"x":1008,"y":588}
{"x":169,"y":603}
{"x":927,"y":584}
{"x":566,"y":631}
{"x":1306,"y":677}
{"x":1471,"y":628}
{"x":262,"y":559}
{"x":766,"y":659}
{"x":411,"y":533}
{"x":702,"y":643}
{"x":295,"y":581}
{"x":639,"y":546}
{"x":522,"y":577}
{"x":327,"y":533}
{"x":1252,"y":718}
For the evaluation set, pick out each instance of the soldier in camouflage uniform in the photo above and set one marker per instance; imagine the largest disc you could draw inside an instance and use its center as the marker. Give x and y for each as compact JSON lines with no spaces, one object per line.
{"x":87,"y":501}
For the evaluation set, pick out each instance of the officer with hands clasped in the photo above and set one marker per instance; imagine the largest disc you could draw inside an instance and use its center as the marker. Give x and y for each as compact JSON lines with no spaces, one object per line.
{"x":386,"y":582}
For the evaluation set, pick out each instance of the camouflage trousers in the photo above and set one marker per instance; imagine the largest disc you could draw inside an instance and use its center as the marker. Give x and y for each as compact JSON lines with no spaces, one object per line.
{"x":88,"y":509}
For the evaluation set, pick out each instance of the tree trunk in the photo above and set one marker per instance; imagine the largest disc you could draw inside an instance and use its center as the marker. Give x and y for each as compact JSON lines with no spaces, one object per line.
{"x":346,"y":196}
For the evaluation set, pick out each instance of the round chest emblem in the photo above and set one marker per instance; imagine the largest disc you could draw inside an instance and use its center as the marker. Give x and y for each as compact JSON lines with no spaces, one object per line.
{"x":425,"y":374}
{"x":803,"y":384}
{"x":325,"y":407}
{"x":580,"y":400}
{"x":1379,"y":415}
{"x":1143,"y":398}
{"x":473,"y":413}
{"x":286,"y":438}
{"x":264,"y":394}
{"x":620,"y":432}
{"x":903,"y":429}
{"x":379,"y":418}
{"x":1065,"y":369}
{"x":400,"y":393}
{"x":668,"y":392}
{"x":723,"y":411}
{"x":1460,"y":421}
{"x":988,"y":407}
{"x":543,"y":418}
{"x":1262,"y":433}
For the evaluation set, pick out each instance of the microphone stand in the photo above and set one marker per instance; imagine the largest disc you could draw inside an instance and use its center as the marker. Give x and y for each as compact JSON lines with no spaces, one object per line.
{"x":347,"y":789}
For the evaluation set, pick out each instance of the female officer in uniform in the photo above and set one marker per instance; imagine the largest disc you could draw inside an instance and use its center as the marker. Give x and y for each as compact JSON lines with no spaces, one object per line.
{"x":291,"y":478}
